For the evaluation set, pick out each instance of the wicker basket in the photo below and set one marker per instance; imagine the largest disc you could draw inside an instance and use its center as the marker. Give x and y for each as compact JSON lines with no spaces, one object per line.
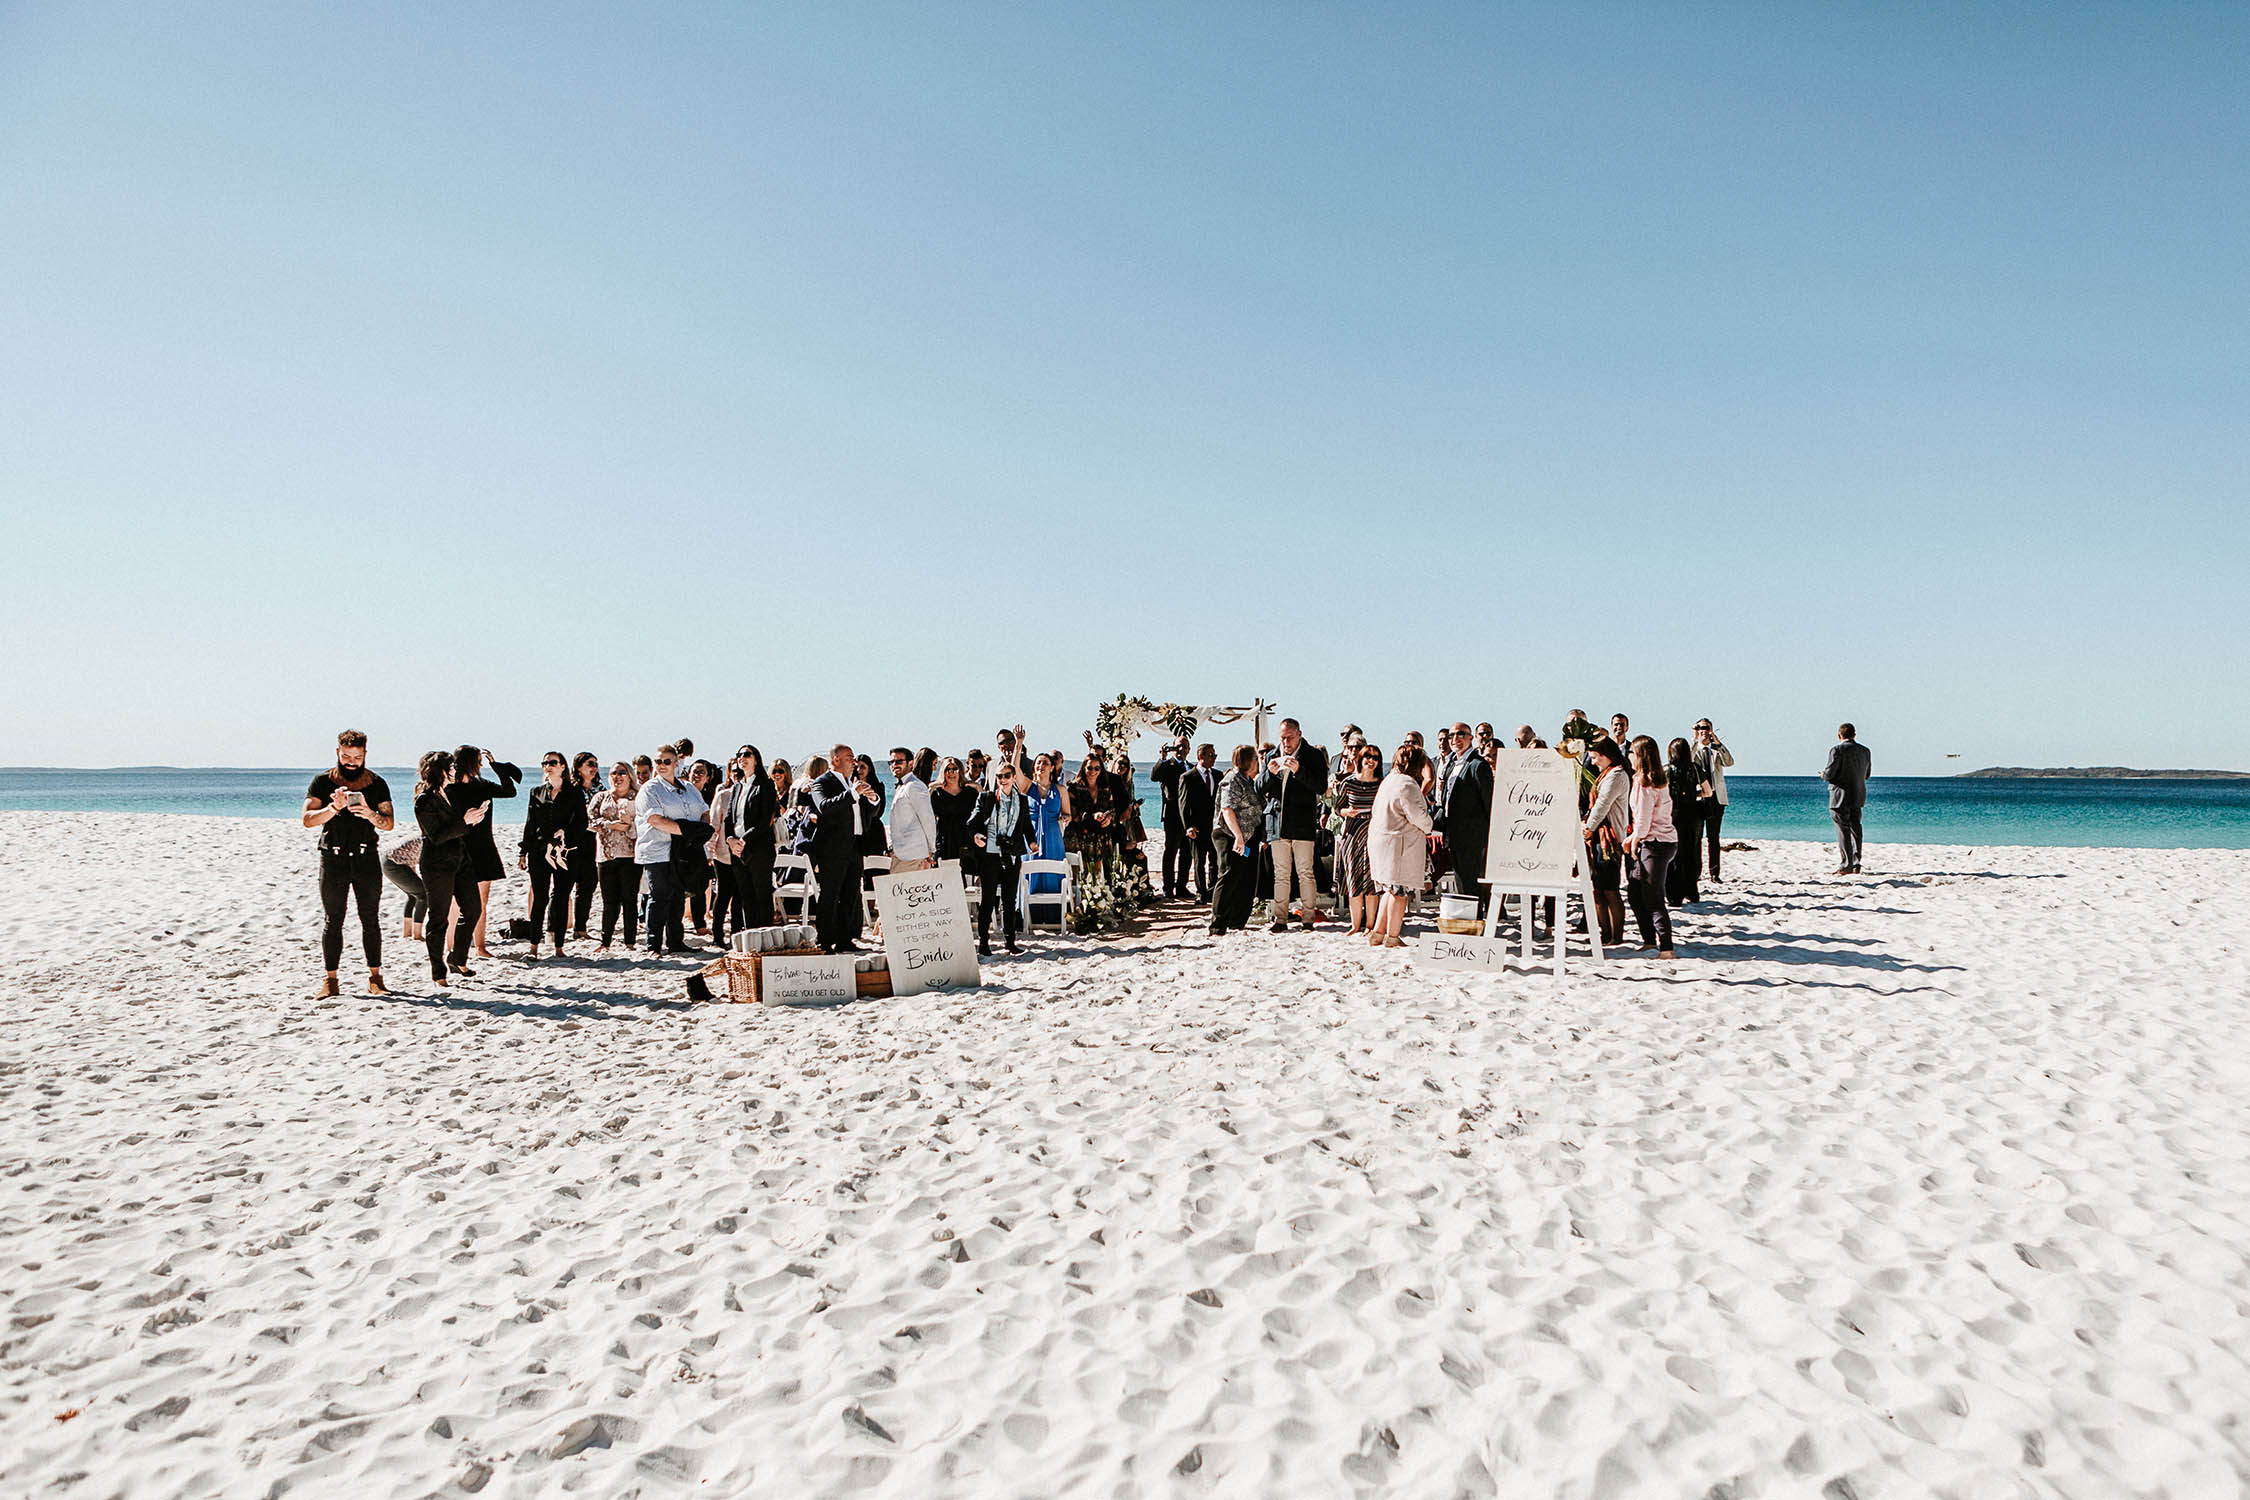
{"x":742,"y":972}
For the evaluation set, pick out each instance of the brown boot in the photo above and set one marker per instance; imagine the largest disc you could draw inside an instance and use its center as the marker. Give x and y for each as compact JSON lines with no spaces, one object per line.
{"x":329,"y":989}
{"x":375,"y":985}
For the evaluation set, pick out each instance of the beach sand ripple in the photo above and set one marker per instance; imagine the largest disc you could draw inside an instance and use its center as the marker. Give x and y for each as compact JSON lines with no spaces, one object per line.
{"x":1934,"y":1182}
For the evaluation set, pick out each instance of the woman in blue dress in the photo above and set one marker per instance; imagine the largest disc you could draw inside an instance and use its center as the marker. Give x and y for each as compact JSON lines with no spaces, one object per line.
{"x":1046,"y":800}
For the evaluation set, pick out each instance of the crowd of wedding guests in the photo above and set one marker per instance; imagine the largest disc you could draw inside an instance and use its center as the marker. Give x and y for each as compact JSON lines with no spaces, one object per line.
{"x":1406,"y":825}
{"x":678,"y":848}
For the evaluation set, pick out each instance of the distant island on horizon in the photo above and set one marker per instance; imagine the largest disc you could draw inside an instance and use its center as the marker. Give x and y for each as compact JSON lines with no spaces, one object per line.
{"x":2098,"y":773}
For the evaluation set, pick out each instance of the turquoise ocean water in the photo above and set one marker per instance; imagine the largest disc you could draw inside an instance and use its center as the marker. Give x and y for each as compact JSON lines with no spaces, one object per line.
{"x":1901,"y":809}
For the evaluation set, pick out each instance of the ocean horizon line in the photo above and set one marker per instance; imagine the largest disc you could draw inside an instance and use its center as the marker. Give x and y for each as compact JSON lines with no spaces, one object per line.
{"x":1989,"y":773}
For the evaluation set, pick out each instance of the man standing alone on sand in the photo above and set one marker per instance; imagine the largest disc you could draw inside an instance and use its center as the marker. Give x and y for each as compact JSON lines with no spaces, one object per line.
{"x":1846,"y":775}
{"x":1711,"y":757}
{"x":349,"y":804}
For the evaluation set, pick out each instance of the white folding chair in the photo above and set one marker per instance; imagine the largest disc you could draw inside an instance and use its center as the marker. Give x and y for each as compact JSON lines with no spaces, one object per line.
{"x":873,"y":864}
{"x":972,"y":885}
{"x":793,"y":882}
{"x":1029,"y":900}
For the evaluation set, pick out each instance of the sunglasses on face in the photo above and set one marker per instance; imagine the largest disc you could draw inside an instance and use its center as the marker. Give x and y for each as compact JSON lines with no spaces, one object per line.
{"x":667,"y":761}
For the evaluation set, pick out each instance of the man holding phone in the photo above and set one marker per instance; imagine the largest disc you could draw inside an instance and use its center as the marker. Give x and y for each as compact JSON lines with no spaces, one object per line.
{"x":350,"y":804}
{"x":1296,"y":779}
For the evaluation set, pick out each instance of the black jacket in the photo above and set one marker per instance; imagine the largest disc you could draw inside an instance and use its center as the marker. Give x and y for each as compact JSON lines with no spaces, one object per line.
{"x":955,"y":811}
{"x":1467,"y":799}
{"x":476,"y":792}
{"x":751,"y":808}
{"x":1017,"y":844}
{"x":830,"y":796}
{"x":1299,"y":792}
{"x":444,"y":835}
{"x":1171,"y":775}
{"x":1199,"y":804}
{"x":549,"y":815}
{"x":874,"y":837}
{"x":691,"y":850}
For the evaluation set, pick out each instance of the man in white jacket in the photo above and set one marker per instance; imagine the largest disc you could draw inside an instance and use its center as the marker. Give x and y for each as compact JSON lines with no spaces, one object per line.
{"x":913,"y":820}
{"x":1711,"y":761}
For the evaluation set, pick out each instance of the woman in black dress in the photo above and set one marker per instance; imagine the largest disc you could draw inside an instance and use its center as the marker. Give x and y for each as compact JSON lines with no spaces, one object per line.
{"x":1125,"y":797}
{"x":1089,"y":809}
{"x":1681,"y":779}
{"x":468,"y":791}
{"x":952,"y":802}
{"x":584,"y":865}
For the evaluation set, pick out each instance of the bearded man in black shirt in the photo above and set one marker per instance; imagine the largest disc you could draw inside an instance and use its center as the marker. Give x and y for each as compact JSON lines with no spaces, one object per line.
{"x":350,"y":804}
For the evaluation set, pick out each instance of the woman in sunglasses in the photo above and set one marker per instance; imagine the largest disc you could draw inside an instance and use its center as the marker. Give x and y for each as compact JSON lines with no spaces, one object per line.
{"x":554,"y":820}
{"x":1355,"y":799}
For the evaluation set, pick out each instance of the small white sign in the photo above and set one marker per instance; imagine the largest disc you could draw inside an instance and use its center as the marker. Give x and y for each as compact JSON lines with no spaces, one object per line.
{"x":1534,"y":842}
{"x":926,"y":933}
{"x":1478,"y":955}
{"x":807,"y":979}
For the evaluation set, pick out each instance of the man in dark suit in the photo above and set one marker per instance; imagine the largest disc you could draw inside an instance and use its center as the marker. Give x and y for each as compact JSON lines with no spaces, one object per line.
{"x":1001,"y":833}
{"x":1199,"y":811}
{"x":1846,"y":775}
{"x":1168,"y":772}
{"x":1466,"y":817}
{"x":835,"y":851}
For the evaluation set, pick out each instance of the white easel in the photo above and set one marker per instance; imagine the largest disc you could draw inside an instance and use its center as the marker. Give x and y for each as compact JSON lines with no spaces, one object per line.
{"x":1581,"y":885}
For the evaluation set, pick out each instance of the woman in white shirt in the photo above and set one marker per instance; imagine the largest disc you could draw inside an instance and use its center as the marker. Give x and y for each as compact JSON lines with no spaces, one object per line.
{"x":1398,"y":847}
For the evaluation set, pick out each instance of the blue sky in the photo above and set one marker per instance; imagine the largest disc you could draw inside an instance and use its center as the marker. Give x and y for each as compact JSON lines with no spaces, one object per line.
{"x":568,"y":376}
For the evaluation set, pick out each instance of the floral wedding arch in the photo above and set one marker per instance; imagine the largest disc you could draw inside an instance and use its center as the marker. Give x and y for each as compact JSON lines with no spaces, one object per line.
{"x":1119,"y":720}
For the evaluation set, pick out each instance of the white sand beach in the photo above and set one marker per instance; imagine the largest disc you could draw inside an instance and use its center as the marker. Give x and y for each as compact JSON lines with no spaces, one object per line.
{"x":1930,"y":1182}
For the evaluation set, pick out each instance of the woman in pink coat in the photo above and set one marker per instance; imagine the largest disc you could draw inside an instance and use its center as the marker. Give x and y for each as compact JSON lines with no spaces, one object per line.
{"x":1398,"y":849}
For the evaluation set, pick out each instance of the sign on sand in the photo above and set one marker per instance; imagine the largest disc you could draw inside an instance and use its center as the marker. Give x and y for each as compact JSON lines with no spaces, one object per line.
{"x":926,"y":932}
{"x":1534,"y":839}
{"x":1475,"y":955}
{"x":807,"y":979}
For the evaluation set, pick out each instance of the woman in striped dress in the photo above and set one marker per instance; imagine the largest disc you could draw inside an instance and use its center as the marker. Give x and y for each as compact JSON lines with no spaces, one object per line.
{"x":1355,"y":799}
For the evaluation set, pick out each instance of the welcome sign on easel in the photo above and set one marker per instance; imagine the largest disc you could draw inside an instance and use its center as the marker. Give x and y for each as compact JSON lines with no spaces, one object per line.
{"x":1534,"y":839}
{"x":1533,"y":851}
